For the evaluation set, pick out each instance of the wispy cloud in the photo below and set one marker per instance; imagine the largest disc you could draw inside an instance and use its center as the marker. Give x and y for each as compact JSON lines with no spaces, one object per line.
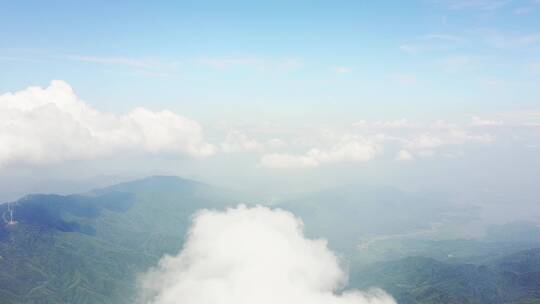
{"x":431,"y":43}
{"x":475,"y":4}
{"x":252,"y":62}
{"x":238,"y":141}
{"x":533,"y":66}
{"x":404,"y":155}
{"x":482,"y":122}
{"x":153,"y":67}
{"x":506,"y":40}
{"x":404,"y":79}
{"x":454,"y":64}
{"x":137,"y":63}
{"x":347,"y":150}
{"x":387,"y":124}
{"x":21,"y":59}
{"x":528,"y":8}
{"x":442,"y":37}
{"x":402,"y":139}
{"x":341,"y":69}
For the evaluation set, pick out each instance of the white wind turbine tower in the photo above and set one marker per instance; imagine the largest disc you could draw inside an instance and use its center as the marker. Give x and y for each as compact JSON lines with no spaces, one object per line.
{"x":11,"y":221}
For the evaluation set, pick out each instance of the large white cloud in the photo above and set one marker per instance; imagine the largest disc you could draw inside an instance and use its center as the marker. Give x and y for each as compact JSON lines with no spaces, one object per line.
{"x":251,"y":255}
{"x":40,"y":125}
{"x":44,"y":125}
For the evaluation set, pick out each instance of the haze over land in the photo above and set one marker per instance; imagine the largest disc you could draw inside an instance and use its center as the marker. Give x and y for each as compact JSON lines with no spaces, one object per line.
{"x":276,"y":98}
{"x":307,"y":151}
{"x":133,"y":242}
{"x":49,"y":134}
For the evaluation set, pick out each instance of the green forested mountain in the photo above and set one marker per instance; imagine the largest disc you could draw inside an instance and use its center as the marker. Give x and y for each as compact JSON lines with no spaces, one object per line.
{"x":89,"y":248}
{"x":511,"y":279}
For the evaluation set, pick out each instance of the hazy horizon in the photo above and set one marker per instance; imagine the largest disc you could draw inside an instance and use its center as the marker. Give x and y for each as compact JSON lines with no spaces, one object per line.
{"x":277,"y":97}
{"x":395,"y":144}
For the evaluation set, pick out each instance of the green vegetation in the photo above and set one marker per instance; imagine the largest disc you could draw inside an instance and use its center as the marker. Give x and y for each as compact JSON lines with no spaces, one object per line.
{"x":90,"y":248}
{"x":512,"y":279}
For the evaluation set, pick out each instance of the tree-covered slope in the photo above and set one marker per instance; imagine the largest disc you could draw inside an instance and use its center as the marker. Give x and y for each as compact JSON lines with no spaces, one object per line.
{"x":89,"y":248}
{"x":512,"y":279}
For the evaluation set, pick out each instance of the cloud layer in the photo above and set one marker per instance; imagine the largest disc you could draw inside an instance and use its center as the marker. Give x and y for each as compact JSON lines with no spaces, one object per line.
{"x":49,"y":125}
{"x":251,"y":255}
{"x":350,"y":150}
{"x":43,"y":125}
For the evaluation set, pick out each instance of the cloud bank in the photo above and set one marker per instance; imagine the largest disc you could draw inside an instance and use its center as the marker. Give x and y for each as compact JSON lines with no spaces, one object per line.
{"x":351,"y":150}
{"x":43,"y":125}
{"x":52,"y":124}
{"x":251,"y":255}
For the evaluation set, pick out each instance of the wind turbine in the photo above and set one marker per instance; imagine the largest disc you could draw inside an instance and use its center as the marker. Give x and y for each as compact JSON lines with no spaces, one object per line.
{"x":11,"y":221}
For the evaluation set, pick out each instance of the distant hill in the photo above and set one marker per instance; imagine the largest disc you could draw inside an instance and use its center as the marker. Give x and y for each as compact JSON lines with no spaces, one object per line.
{"x":473,"y":250}
{"x":518,"y":231}
{"x":512,"y":279}
{"x":88,"y":248}
{"x":348,"y":215}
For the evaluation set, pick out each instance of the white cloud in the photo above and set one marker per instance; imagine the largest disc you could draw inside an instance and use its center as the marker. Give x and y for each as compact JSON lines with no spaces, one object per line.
{"x":404,"y":155}
{"x":347,"y":150}
{"x":42,"y":125}
{"x":287,"y":161}
{"x":237,"y":141}
{"x":364,"y":140}
{"x":402,"y":139}
{"x":252,"y":255}
{"x":388,"y":124}
{"x":480,"y":122}
{"x":427,"y":143}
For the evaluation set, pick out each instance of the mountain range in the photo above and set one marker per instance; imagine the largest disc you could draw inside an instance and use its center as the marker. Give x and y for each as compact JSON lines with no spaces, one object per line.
{"x":91,"y":247}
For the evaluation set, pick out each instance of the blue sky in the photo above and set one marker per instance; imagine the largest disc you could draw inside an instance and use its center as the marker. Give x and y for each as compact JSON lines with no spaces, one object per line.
{"x":378,"y":59}
{"x":279,"y":93}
